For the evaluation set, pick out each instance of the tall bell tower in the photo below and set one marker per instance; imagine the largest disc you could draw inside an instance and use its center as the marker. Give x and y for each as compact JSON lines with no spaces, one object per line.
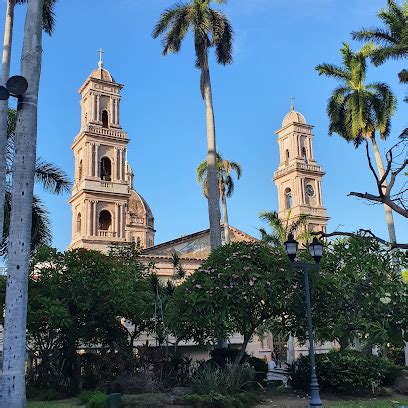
{"x":105,"y":208}
{"x":299,"y":176}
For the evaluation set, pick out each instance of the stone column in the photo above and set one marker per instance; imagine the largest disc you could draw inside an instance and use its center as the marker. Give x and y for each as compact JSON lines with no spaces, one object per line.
{"x":96,"y":158}
{"x":98,"y":107}
{"x":88,"y":217}
{"x":89,"y":159}
{"x":302,"y":189}
{"x":121,"y":164}
{"x":124,"y":220}
{"x":291,"y":350}
{"x":112,"y":109}
{"x":114,"y":164}
{"x":319,"y":192}
{"x":93,"y":107}
{"x":118,"y":224}
{"x":95,"y":218}
{"x":117,"y":111}
{"x":310,"y":147}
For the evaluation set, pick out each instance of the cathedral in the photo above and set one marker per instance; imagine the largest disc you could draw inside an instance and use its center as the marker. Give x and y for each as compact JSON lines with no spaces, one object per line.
{"x":106,"y":208}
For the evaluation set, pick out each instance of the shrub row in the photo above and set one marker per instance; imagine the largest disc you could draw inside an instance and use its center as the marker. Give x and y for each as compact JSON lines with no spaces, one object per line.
{"x":347,"y":372}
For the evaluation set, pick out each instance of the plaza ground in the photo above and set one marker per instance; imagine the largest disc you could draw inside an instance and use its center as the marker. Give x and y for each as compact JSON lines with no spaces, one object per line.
{"x":281,"y":401}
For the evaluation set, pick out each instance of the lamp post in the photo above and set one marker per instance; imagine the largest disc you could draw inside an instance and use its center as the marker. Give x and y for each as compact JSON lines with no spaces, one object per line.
{"x":316,"y":250}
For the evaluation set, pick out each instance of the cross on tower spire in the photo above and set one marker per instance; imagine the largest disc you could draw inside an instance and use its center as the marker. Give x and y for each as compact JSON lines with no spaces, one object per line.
{"x":292,"y":103}
{"x":100,"y":63}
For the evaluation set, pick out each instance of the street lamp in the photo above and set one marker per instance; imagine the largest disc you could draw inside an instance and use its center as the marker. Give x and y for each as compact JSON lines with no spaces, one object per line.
{"x":16,"y":86}
{"x":316,"y":250}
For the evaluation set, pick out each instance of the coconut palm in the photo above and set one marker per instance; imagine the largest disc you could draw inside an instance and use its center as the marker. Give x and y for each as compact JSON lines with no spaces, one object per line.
{"x":357,"y":111}
{"x":391,"y":40}
{"x":210,"y":28}
{"x":48,"y":26}
{"x":50,"y":177}
{"x":14,"y":342}
{"x":281,"y":228}
{"x":226,"y":184}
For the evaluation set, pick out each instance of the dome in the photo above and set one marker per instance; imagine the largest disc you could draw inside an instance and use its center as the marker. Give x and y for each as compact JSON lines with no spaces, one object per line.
{"x":138,"y":207}
{"x":103,"y":74}
{"x":293,"y":117}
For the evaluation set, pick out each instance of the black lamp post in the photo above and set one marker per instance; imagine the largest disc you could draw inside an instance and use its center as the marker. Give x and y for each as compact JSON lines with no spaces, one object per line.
{"x":316,"y":250}
{"x":16,"y":86}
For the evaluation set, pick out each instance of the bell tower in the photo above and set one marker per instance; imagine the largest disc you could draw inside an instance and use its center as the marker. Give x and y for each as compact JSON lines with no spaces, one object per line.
{"x":299,"y":176}
{"x":103,"y":185}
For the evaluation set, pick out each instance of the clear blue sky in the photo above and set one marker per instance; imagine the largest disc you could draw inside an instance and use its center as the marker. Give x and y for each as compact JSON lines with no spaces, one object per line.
{"x":277,"y":45}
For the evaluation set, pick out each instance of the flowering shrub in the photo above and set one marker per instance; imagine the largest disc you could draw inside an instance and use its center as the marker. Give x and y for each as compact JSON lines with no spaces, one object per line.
{"x":239,"y":288}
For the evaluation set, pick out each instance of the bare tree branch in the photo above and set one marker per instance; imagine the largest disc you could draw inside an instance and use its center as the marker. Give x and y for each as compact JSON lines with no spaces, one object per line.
{"x":384,"y":196}
{"x":361,"y":233}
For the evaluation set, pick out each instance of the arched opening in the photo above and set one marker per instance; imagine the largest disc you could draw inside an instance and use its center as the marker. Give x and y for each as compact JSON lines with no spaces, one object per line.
{"x":139,"y":242}
{"x":304,"y":154}
{"x":287,"y":155}
{"x":105,"y":119}
{"x":106,"y":169}
{"x":105,"y":220}
{"x":80,"y":170}
{"x":288,"y":198}
{"x":79,"y":222}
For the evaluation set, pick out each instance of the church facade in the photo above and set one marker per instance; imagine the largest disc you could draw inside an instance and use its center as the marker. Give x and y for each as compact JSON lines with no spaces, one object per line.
{"x":106,"y":209}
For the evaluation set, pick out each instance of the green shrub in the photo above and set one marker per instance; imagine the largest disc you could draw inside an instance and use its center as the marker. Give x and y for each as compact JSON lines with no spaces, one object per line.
{"x":41,"y":394}
{"x":349,"y":372}
{"x":211,"y":379}
{"x":84,"y":396}
{"x":143,"y":401}
{"x":217,"y":400}
{"x":223,"y":357}
{"x":98,"y":399}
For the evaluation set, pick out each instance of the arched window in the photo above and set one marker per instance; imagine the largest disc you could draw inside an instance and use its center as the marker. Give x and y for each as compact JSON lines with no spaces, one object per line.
{"x":139,"y":242}
{"x":80,"y":170}
{"x":106,"y":169}
{"x":287,"y":155}
{"x":105,"y":119}
{"x":304,"y":154}
{"x":78,"y":222}
{"x":105,"y":220}
{"x":288,"y":198}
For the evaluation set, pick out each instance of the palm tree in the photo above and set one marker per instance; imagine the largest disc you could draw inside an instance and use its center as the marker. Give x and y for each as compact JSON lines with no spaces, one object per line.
{"x":51,"y":178}
{"x":48,"y":26}
{"x":12,"y":385}
{"x":210,"y":28}
{"x":226,"y":184}
{"x":282,"y":228}
{"x":358,"y":111}
{"x":392,"y":41}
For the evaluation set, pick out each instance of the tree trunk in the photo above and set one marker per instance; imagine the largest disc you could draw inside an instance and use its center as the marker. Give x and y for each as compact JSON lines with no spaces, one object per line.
{"x":225,"y":221}
{"x":5,"y":74}
{"x":12,"y":394}
{"x":212,"y":177}
{"x":388,"y":212}
{"x":241,"y":352}
{"x":344,"y":342}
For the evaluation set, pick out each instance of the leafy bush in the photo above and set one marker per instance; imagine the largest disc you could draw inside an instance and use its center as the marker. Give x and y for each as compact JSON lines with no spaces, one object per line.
{"x":98,"y":399}
{"x":41,"y":394}
{"x":210,"y":379}
{"x":84,"y":396}
{"x":224,"y":357}
{"x":217,"y":400}
{"x":143,"y":401}
{"x":348,"y":372}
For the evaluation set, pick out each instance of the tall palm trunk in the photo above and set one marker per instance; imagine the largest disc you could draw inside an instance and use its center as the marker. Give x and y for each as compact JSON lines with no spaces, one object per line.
{"x":388,"y":212}
{"x":12,"y":394}
{"x":5,"y":74}
{"x":213,"y":193}
{"x":227,"y":237}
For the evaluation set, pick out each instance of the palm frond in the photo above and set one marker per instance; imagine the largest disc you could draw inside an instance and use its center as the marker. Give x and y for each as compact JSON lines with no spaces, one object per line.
{"x":51,"y":177}
{"x":177,"y":30}
{"x":48,"y":15}
{"x":222,"y":36}
{"x":40,"y":230}
{"x":378,"y":35}
{"x":333,"y":71}
{"x":165,"y":20}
